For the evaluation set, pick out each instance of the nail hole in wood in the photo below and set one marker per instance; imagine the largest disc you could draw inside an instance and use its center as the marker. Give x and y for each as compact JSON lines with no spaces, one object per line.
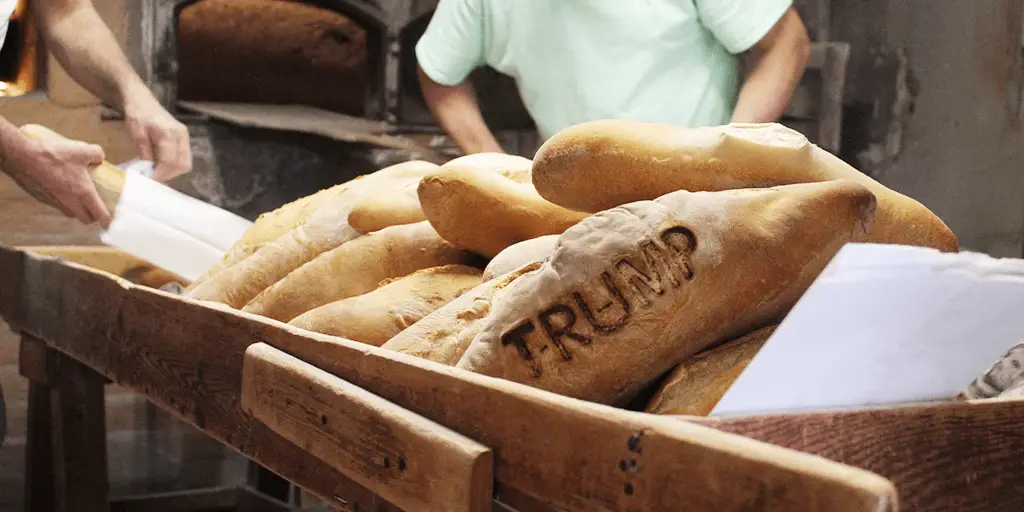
{"x":323,"y":419}
{"x":628,"y":489}
{"x":401,"y":464}
{"x":387,"y":463}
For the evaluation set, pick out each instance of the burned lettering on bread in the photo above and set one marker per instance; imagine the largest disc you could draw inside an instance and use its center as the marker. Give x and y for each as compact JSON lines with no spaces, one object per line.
{"x":606,"y":302}
{"x":607,"y":325}
{"x":564,"y":320}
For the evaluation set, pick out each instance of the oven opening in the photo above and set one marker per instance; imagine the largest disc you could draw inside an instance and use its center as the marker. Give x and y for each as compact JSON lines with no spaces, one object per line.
{"x":272,"y":52}
{"x":20,"y":56}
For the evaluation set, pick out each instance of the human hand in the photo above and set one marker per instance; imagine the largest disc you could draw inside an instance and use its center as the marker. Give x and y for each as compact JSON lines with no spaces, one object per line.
{"x":156,"y":133}
{"x":56,"y":172}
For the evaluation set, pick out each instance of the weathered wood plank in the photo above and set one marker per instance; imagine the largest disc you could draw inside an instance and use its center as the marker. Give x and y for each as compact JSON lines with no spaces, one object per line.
{"x":95,"y":318}
{"x":956,"y":456}
{"x":408,"y":460}
{"x":572,"y":454}
{"x":114,"y":261}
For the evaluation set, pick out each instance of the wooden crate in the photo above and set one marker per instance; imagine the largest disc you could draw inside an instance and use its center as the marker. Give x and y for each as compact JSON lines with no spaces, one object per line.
{"x":373,"y":430}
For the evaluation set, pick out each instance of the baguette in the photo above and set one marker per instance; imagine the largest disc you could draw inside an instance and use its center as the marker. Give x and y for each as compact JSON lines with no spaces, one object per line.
{"x":322,"y":230}
{"x":375,"y":317}
{"x":535,"y":250}
{"x":513,"y":167}
{"x":598,"y":165}
{"x":698,"y":383}
{"x":355,"y":268}
{"x":444,"y":335}
{"x":631,"y":292}
{"x":485,"y":212}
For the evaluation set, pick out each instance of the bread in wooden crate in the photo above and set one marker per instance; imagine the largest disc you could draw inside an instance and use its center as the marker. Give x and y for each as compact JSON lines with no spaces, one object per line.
{"x":444,"y":335}
{"x":379,"y":315}
{"x":356,"y":267}
{"x":321,"y":230}
{"x":631,"y":292}
{"x":699,"y":382}
{"x":485,"y":212}
{"x":535,"y":250}
{"x":598,"y":165}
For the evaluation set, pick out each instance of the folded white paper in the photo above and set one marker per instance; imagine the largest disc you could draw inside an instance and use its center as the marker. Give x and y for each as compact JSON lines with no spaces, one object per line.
{"x":886,"y":324}
{"x":169,"y":229}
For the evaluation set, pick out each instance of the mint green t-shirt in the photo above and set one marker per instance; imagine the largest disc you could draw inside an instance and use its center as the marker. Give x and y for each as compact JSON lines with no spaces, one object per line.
{"x":667,"y":61}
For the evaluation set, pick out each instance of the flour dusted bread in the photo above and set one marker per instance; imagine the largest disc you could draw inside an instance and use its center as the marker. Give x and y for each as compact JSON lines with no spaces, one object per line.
{"x":535,"y":250}
{"x":486,"y":212}
{"x":323,"y":229}
{"x":601,"y":164}
{"x":631,"y":292}
{"x":698,"y":383}
{"x":268,"y":227}
{"x":355,"y":268}
{"x":375,"y":317}
{"x":444,"y":335}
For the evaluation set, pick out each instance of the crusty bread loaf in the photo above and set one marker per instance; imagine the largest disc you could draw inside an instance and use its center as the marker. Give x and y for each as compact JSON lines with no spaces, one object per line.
{"x":534,"y":250}
{"x":598,"y":165}
{"x":268,"y":227}
{"x":444,"y":335}
{"x":631,"y":292}
{"x":375,"y":317}
{"x":377,"y":212}
{"x":513,"y":167}
{"x":354,"y":268}
{"x":699,"y":382}
{"x":485,"y":212}
{"x":323,"y":229}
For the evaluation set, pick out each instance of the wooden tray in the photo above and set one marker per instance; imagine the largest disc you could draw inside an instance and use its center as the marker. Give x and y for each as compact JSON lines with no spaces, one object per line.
{"x":370,"y":429}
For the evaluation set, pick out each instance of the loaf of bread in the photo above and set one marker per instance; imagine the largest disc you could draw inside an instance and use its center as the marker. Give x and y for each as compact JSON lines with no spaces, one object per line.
{"x":699,"y":382}
{"x":485,"y":212}
{"x":513,"y":167}
{"x":323,"y":229}
{"x":444,"y":335}
{"x":354,"y":268}
{"x":598,"y":165}
{"x":633,"y":291}
{"x":534,"y":250}
{"x":377,"y":212}
{"x":268,"y":227}
{"x":375,"y":317}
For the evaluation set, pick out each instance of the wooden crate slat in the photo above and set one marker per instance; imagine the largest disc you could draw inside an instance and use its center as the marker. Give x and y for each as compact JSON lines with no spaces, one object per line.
{"x":950,"y":456}
{"x":405,"y":458}
{"x":570,"y":453}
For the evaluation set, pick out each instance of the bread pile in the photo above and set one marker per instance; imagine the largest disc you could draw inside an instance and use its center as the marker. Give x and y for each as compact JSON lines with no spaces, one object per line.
{"x":625,"y":258}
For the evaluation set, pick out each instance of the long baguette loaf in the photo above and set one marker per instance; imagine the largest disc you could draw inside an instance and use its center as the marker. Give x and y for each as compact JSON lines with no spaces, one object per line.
{"x":355,"y":268}
{"x":444,"y":335}
{"x":598,"y":165}
{"x":535,"y":250}
{"x":375,"y":317}
{"x":633,"y":291}
{"x":485,"y":212}
{"x":698,"y":383}
{"x":513,"y":167}
{"x":323,"y":229}
{"x":268,"y":227}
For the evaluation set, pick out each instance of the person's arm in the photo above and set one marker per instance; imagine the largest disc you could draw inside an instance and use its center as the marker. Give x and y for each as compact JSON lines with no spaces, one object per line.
{"x":85,"y":47}
{"x":456,"y":109}
{"x":778,"y":62}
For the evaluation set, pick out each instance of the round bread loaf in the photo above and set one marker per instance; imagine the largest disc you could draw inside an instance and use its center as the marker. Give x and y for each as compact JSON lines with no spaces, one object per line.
{"x":598,"y":165}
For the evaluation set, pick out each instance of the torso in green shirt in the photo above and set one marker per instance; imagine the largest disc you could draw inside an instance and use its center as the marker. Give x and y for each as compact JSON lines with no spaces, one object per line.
{"x":668,"y":61}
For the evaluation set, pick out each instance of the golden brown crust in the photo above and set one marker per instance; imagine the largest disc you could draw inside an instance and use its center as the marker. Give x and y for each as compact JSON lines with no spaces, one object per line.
{"x":375,"y":317}
{"x":602,"y":164}
{"x":698,"y":383}
{"x":354,"y":268}
{"x":534,"y":250}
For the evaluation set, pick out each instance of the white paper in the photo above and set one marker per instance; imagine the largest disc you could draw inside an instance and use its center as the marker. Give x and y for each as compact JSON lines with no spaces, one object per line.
{"x":886,"y":324}
{"x":169,"y":229}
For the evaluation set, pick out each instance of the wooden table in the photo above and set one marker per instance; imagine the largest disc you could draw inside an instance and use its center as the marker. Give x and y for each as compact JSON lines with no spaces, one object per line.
{"x":372,"y":430}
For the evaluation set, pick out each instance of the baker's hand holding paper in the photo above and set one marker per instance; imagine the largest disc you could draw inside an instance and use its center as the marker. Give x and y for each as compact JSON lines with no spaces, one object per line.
{"x":56,"y":172}
{"x":158,"y":136}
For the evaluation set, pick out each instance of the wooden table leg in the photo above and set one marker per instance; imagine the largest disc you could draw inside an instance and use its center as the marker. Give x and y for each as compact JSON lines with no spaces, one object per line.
{"x":66,"y":456}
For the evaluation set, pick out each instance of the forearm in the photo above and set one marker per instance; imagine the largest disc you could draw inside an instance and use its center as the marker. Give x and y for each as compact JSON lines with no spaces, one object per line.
{"x":12,"y":142}
{"x":778,"y":65}
{"x":457,"y":111}
{"x":84,"y":45}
